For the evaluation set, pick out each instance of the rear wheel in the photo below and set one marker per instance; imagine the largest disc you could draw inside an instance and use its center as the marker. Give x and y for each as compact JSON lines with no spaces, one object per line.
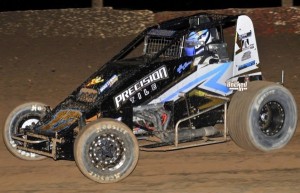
{"x":264,"y":117}
{"x":106,"y":151}
{"x":22,"y":116}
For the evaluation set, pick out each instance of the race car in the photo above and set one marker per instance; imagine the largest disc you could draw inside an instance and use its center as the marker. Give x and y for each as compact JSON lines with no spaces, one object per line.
{"x":170,"y":88}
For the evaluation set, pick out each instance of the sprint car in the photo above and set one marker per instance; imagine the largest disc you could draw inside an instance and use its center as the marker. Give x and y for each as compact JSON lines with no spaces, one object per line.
{"x":170,"y":88}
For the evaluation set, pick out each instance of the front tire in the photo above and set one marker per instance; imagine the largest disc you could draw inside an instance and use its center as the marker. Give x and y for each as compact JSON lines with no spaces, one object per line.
{"x":106,"y":151}
{"x":22,"y":116}
{"x":263,"y":118}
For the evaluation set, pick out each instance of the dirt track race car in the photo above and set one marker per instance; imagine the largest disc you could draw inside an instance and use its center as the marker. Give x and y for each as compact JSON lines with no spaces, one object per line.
{"x":170,"y":97}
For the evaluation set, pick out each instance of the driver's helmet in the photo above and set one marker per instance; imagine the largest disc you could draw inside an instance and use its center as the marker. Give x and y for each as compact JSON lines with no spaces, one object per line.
{"x":195,"y":42}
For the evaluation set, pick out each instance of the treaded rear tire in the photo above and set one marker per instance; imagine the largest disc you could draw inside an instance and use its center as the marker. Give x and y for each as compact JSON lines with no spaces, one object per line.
{"x":262,"y":118}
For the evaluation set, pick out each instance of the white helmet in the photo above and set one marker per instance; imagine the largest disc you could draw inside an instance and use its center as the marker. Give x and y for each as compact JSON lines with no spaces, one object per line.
{"x":195,"y":42}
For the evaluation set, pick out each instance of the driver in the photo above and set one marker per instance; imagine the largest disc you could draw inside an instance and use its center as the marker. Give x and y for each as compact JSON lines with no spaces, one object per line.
{"x":196,"y":41}
{"x":195,"y":44}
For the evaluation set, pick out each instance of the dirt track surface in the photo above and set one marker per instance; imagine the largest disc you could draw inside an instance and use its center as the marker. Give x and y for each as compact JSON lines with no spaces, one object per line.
{"x":47,"y":69}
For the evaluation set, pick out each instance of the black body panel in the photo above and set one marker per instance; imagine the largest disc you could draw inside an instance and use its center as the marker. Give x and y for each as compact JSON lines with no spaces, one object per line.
{"x":123,"y":83}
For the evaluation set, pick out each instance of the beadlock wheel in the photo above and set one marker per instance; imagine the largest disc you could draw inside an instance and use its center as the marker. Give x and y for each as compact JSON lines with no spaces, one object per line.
{"x":271,"y":118}
{"x":263,"y":118}
{"x":21,"y":117}
{"x":106,"y":151}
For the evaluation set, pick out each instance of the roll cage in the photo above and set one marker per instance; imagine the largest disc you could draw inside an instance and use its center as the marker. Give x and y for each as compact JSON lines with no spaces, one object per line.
{"x":175,"y":31}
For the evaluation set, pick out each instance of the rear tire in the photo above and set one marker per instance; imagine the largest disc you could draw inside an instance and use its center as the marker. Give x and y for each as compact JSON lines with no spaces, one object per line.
{"x":263,"y":118}
{"x":20,"y":117}
{"x":106,"y":151}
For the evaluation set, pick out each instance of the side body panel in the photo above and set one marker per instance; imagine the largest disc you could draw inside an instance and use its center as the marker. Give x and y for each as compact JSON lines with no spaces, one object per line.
{"x":245,"y":50}
{"x":211,"y":77}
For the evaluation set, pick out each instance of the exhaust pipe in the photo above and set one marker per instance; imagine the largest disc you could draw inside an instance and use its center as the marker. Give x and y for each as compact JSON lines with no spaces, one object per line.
{"x":187,"y":134}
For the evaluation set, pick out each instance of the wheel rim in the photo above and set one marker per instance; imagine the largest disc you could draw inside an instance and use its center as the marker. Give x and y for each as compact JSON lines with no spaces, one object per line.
{"x":28,"y":121}
{"x":271,"y":118}
{"x":23,"y":123}
{"x":107,"y":152}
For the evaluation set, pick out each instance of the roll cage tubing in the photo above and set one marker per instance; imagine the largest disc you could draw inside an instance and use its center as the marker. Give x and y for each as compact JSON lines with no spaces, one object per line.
{"x":183,"y":25}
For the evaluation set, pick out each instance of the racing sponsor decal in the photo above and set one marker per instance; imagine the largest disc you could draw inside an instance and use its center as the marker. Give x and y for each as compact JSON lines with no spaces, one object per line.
{"x":143,"y":92}
{"x":246,"y":55}
{"x":237,"y":86}
{"x":183,"y":66}
{"x":109,"y":83}
{"x":245,"y":35}
{"x":94,"y":81}
{"x":246,"y":65}
{"x":36,"y":108}
{"x":139,"y":87}
{"x":62,"y":120}
{"x":243,"y":42}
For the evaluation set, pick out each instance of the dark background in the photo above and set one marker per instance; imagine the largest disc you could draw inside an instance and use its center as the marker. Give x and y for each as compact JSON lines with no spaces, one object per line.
{"x":155,"y":5}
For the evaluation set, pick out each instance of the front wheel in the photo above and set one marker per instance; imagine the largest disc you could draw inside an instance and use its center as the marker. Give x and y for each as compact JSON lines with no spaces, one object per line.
{"x":21,"y":117}
{"x":264,"y":117}
{"x":106,"y":151}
